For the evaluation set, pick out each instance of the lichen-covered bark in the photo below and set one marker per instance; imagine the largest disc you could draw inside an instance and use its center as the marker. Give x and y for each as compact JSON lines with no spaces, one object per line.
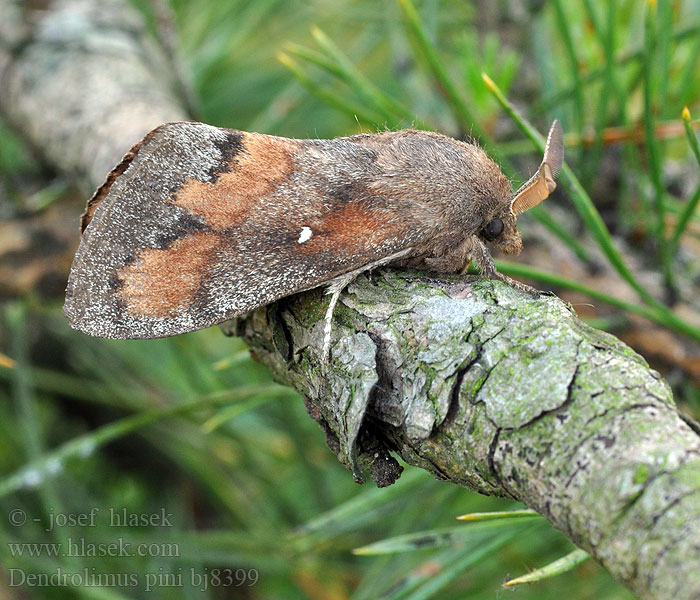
{"x":476,"y":383}
{"x":506,"y":395}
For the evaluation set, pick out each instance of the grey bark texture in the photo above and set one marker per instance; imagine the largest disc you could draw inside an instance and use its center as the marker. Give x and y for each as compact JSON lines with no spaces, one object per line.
{"x":506,"y":395}
{"x":469,"y":379}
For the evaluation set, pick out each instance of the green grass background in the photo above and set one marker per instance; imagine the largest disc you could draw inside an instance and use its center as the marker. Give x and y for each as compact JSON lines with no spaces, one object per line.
{"x":193,"y":427}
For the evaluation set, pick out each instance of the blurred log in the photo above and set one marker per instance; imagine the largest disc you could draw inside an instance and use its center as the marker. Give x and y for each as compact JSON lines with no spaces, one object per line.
{"x":82,"y":81}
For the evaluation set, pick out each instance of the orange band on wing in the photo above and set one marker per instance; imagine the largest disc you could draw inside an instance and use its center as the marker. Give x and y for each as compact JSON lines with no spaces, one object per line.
{"x":347,"y":228}
{"x":162,"y":281}
{"x":262,"y":164}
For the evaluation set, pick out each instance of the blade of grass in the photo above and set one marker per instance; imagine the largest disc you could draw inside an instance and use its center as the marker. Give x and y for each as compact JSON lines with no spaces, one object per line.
{"x":335,"y":100}
{"x":688,"y":80}
{"x":413,"y":517}
{"x":690,"y":133}
{"x":549,"y":72}
{"x":272,"y":117}
{"x":410,"y":581}
{"x":662,"y":43}
{"x":651,"y":143}
{"x":47,"y":380}
{"x":233,"y":360}
{"x":361,"y":509}
{"x":53,"y":462}
{"x":562,"y":565}
{"x":565,"y":32}
{"x":662,"y":317}
{"x":22,"y":388}
{"x":461,"y":111}
{"x":455,"y":565}
{"x":692,"y":204}
{"x":623,"y":59}
{"x":501,"y":514}
{"x":319,"y":496}
{"x":543,"y":217}
{"x":98,"y":593}
{"x":595,"y":21}
{"x":224,"y":546}
{"x":676,"y":208}
{"x":526,"y":271}
{"x":439,"y":537}
{"x":315,"y":58}
{"x":231,"y":412}
{"x":45,"y":197}
{"x":609,"y":88}
{"x":34,"y":434}
{"x":384,"y":104}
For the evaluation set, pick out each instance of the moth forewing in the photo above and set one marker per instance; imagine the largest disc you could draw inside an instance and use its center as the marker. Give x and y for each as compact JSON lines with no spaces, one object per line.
{"x":199,"y":224}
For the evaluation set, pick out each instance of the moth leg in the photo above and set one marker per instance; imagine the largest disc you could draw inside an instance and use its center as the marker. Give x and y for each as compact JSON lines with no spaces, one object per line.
{"x":482,"y":257}
{"x":335,"y":288}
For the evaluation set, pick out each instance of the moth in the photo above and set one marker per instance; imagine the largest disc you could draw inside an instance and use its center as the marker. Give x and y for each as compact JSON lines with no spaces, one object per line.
{"x":199,"y":224}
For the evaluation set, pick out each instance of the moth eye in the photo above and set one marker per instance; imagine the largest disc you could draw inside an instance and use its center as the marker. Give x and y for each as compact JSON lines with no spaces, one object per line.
{"x":493,"y":229}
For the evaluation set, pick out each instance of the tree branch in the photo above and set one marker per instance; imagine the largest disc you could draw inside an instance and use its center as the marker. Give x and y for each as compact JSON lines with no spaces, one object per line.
{"x":506,"y":395}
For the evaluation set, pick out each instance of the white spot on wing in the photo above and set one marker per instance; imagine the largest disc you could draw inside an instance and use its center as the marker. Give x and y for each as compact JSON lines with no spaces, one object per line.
{"x":305,"y":235}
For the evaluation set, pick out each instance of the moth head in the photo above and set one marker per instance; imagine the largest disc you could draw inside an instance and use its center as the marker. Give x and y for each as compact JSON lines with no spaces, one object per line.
{"x":501,"y":229}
